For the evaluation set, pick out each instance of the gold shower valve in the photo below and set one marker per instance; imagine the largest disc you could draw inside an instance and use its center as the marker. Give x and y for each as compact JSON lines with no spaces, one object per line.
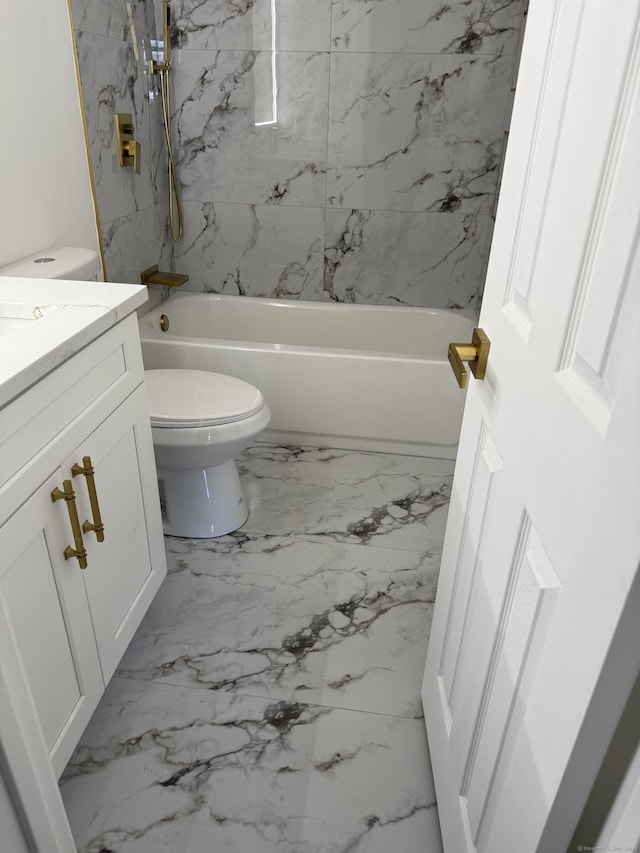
{"x":128,"y":147}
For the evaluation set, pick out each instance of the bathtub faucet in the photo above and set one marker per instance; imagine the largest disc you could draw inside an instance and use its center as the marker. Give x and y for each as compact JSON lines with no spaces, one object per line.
{"x":153,"y":275}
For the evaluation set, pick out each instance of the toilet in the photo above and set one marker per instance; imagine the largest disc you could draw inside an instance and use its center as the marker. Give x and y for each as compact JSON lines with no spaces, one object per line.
{"x":199,"y":422}
{"x":60,"y":262}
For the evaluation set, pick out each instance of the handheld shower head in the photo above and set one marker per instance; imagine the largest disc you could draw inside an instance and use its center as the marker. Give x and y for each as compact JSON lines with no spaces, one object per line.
{"x":163,"y":70}
{"x":166,"y":31}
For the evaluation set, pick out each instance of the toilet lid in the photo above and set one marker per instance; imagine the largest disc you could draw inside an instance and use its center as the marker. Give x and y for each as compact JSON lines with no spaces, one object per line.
{"x":192,"y":398}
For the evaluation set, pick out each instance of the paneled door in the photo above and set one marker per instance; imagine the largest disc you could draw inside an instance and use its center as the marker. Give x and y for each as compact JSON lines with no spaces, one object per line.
{"x":536,"y":636}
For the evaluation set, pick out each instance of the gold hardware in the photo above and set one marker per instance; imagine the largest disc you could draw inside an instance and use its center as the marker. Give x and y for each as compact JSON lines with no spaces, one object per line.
{"x":476,"y":353}
{"x":156,"y":67}
{"x":67,"y":494}
{"x":128,"y":147}
{"x":96,"y":526}
{"x":163,"y":70}
{"x":166,"y":32}
{"x":168,"y":279}
{"x":164,"y":322}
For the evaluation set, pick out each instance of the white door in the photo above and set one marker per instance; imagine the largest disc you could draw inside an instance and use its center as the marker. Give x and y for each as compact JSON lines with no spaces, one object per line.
{"x":535,"y":641}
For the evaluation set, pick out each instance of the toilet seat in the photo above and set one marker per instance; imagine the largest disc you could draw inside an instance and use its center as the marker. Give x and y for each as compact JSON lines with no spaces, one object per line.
{"x":198,"y":398}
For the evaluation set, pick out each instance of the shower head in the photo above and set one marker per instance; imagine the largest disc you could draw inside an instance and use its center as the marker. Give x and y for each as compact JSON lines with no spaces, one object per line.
{"x":166,"y":31}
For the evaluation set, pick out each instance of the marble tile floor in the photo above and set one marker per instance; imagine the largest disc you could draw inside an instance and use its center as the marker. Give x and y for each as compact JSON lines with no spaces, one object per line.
{"x":270,"y":700}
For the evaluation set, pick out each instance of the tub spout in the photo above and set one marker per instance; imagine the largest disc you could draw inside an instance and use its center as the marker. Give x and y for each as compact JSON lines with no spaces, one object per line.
{"x":155,"y":276}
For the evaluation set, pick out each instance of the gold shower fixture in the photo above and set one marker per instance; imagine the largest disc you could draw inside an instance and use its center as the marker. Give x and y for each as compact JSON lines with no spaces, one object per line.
{"x":154,"y":275}
{"x":128,"y":147}
{"x":163,"y":69}
{"x":154,"y":66}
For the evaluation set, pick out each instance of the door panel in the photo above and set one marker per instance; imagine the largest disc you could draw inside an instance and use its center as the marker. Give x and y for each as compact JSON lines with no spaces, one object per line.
{"x":543,"y":542}
{"x":122,"y":574}
{"x":31,"y":599}
{"x":44,"y":605}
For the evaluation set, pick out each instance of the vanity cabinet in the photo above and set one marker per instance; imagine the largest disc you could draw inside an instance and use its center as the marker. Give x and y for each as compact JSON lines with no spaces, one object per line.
{"x":81,"y":544}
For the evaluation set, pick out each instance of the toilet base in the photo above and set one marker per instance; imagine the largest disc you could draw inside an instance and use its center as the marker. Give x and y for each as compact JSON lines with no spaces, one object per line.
{"x":202,"y":503}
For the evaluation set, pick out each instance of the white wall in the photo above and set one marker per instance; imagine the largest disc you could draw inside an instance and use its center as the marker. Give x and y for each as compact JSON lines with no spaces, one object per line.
{"x":45,"y":191}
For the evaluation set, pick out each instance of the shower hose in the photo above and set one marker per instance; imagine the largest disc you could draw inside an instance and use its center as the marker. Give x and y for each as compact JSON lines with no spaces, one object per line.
{"x":175,"y":205}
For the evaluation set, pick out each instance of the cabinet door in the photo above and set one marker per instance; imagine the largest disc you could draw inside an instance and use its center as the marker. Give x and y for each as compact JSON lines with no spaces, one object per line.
{"x":124,"y":570}
{"x":44,"y":609}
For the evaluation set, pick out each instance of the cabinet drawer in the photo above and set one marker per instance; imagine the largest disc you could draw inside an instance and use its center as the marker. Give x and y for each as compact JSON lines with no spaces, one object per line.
{"x":98,"y":377}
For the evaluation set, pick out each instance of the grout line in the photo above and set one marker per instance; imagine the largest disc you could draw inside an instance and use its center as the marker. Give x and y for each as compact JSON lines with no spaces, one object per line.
{"x":269,"y":699}
{"x":340,"y":52}
{"x":328,"y":538}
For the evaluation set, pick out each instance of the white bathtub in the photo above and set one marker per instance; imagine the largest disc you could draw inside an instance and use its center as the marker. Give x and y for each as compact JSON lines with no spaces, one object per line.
{"x":350,"y":376}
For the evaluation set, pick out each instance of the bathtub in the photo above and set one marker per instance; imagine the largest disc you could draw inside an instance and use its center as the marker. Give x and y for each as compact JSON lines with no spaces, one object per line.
{"x":358,"y":377}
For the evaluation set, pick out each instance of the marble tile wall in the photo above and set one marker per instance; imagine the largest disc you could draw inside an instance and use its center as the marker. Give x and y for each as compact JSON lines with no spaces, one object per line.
{"x":341,"y":149}
{"x":113,"y":42}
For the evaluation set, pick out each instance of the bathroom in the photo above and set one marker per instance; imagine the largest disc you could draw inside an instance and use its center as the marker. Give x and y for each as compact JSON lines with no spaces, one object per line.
{"x":282,"y":216}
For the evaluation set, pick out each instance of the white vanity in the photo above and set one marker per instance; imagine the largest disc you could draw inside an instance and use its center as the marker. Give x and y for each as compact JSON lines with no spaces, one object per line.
{"x":81,"y":544}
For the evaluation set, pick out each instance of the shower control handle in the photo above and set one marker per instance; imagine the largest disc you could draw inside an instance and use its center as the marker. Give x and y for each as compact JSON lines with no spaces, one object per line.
{"x":475,"y":354}
{"x":132,"y":155}
{"x":128,"y":147}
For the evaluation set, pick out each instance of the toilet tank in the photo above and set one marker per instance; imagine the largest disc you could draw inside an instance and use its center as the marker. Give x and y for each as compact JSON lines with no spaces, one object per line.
{"x":64,"y":262}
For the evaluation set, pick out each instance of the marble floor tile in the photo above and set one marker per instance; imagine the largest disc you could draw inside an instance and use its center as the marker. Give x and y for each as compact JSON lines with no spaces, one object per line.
{"x":164,"y":768}
{"x":346,"y":496}
{"x":270,"y":700}
{"x":286,"y":618}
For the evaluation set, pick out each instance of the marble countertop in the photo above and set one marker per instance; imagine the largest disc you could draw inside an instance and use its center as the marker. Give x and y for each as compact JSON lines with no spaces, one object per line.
{"x":43,"y":322}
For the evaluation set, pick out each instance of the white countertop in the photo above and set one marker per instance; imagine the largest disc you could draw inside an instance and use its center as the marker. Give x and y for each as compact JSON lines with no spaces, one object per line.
{"x":70,"y":314}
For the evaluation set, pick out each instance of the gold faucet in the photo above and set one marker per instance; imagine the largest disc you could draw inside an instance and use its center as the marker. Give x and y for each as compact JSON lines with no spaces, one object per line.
{"x":153,"y":275}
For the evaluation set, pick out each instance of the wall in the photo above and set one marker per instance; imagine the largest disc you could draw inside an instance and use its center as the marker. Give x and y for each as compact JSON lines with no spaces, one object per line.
{"x":114,"y":42}
{"x":356,"y":161}
{"x":13,"y":836}
{"x":45,"y":188}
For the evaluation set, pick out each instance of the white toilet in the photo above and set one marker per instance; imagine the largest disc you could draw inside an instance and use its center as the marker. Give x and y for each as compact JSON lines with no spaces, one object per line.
{"x":199,"y":422}
{"x":59,"y":262}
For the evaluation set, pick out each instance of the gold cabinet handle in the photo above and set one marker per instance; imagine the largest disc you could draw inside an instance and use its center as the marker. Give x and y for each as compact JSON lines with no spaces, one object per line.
{"x":96,"y":526}
{"x":67,"y":494}
{"x":476,"y":354}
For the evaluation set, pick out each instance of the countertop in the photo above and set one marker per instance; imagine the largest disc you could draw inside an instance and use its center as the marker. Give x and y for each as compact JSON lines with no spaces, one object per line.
{"x":65,"y":315}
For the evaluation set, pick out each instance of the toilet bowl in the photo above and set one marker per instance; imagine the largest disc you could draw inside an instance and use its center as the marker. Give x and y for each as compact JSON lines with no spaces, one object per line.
{"x":199,"y":422}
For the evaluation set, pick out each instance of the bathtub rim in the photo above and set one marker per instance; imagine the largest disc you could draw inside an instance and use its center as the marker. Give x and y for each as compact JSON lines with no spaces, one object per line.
{"x":152,"y":337}
{"x":153,"y":333}
{"x":288,"y":349}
